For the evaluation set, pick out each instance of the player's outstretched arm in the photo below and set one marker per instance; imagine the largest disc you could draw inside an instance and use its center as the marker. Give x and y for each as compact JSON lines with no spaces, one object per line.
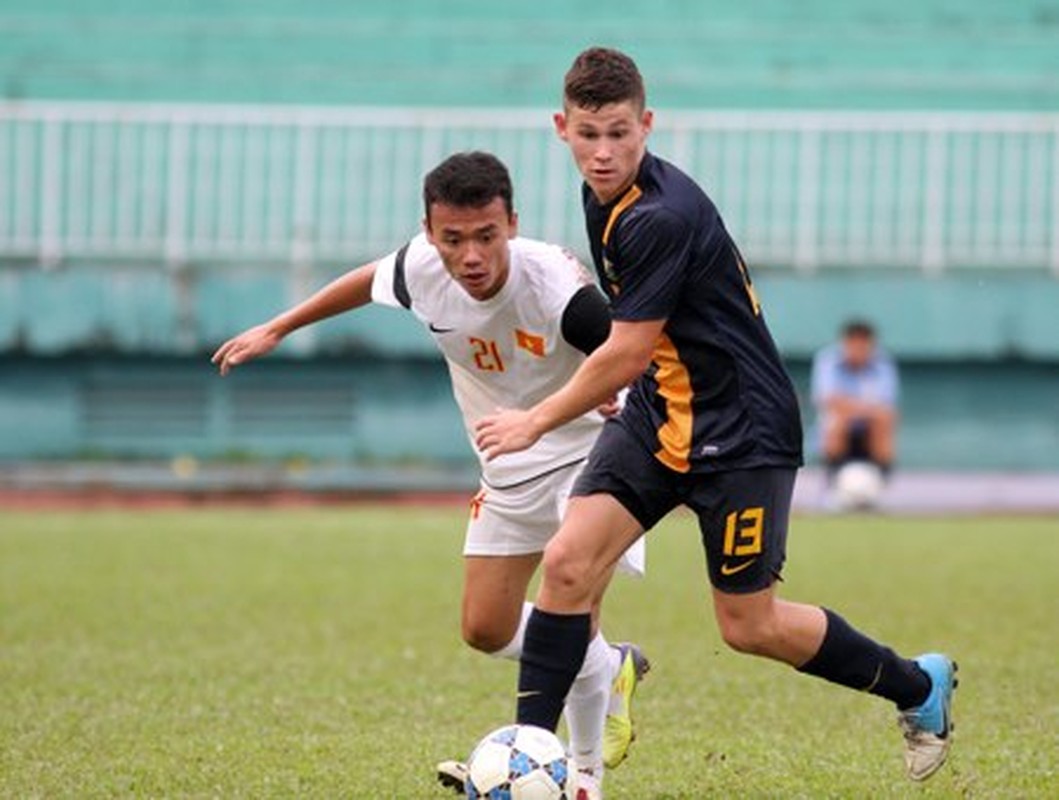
{"x":350,"y":291}
{"x":613,"y":366}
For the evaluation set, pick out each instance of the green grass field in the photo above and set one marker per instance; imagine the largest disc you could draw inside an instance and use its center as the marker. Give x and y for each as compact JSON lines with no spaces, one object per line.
{"x":316,"y":653}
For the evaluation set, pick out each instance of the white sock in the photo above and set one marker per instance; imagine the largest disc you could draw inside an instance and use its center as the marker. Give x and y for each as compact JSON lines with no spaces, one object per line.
{"x":586,"y":705}
{"x":513,"y":649}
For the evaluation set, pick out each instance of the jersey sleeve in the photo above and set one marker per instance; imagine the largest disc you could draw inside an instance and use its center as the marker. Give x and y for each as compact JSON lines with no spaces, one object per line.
{"x":390,"y":284}
{"x":652,"y":251}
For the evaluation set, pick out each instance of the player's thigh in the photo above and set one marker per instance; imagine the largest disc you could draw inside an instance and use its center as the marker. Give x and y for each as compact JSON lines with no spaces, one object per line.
{"x":506,"y":535}
{"x":621,"y":492}
{"x":735,"y":610}
{"x":596,"y":530}
{"x":744,"y":517}
{"x":622,"y":469}
{"x":581,"y":557}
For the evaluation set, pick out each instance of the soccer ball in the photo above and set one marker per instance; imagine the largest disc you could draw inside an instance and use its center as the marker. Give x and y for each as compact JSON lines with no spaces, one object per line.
{"x":518,"y":762}
{"x":858,"y":485}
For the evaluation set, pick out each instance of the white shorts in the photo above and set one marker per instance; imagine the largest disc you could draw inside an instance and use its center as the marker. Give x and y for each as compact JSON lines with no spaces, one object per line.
{"x":521,"y":519}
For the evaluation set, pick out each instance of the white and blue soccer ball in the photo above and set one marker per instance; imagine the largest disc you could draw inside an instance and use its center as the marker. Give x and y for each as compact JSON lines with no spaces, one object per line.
{"x":519,"y":762}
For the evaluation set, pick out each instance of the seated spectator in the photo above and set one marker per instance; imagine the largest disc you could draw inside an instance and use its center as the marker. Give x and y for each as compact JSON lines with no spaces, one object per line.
{"x":855,"y":389}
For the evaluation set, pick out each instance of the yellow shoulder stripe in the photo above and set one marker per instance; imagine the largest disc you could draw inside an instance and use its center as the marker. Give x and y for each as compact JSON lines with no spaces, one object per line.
{"x":633,"y":194}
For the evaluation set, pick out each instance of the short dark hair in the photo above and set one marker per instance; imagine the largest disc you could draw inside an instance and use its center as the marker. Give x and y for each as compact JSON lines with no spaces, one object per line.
{"x":600,"y":76}
{"x":468,"y":180}
{"x":858,"y":328}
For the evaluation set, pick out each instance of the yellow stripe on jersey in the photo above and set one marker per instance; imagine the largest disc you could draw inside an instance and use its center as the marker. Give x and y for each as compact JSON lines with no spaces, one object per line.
{"x":632,"y":194}
{"x":674,"y":384}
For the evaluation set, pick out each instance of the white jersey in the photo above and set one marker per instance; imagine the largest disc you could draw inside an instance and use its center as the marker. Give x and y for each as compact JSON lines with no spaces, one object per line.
{"x":507,"y":351}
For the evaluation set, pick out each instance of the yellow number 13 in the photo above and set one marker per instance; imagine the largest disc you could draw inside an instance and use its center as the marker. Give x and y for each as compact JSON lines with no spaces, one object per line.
{"x":742,"y":532}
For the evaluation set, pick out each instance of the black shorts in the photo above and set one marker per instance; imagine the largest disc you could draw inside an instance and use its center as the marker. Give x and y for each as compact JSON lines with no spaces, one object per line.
{"x":743,"y":514}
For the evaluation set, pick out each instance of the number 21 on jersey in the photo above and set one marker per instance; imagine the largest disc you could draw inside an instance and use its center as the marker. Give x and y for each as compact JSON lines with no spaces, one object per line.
{"x":486,"y":355}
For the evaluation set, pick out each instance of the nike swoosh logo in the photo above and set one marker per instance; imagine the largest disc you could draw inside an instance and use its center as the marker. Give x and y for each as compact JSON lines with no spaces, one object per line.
{"x":521,"y":695}
{"x":728,"y":569}
{"x":435,"y":329}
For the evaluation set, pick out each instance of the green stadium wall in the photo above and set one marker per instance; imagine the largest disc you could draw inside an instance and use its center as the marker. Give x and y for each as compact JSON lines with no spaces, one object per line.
{"x":112,"y":362}
{"x":384,"y":411}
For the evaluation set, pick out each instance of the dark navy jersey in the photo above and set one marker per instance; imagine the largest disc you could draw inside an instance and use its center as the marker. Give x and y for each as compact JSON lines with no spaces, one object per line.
{"x":716,"y":395}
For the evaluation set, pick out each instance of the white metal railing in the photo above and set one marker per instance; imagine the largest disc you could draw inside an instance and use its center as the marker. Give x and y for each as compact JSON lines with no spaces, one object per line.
{"x":806,"y":189}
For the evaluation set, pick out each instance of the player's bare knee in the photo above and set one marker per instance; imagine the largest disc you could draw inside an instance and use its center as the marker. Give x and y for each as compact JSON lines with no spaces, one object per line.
{"x":564,"y":572}
{"x":484,"y":640}
{"x":748,"y":634}
{"x":485,"y":635}
{"x":743,"y":639}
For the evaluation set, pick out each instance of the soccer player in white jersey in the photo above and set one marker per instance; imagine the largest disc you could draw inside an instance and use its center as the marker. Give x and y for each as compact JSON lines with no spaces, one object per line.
{"x":514,"y":319}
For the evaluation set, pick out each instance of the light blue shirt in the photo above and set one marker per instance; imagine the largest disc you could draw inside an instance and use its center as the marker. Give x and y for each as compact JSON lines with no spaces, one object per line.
{"x":876,"y":381}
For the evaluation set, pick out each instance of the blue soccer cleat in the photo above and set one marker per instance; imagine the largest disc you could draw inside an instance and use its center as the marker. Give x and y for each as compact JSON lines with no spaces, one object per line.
{"x":928,"y":727}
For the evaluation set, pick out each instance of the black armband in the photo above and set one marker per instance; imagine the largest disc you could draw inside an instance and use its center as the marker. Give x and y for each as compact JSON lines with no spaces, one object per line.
{"x":586,"y":320}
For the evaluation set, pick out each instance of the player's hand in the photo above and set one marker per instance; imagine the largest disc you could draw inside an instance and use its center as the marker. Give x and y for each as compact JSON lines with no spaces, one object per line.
{"x":611,"y":407}
{"x":507,"y":431}
{"x":248,"y":345}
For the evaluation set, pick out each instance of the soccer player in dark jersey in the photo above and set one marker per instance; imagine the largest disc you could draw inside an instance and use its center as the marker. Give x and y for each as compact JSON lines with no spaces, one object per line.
{"x":711,"y":422}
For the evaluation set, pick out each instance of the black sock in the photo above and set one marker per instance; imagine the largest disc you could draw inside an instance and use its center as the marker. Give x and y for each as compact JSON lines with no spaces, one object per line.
{"x":851,"y":659}
{"x":553,"y":651}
